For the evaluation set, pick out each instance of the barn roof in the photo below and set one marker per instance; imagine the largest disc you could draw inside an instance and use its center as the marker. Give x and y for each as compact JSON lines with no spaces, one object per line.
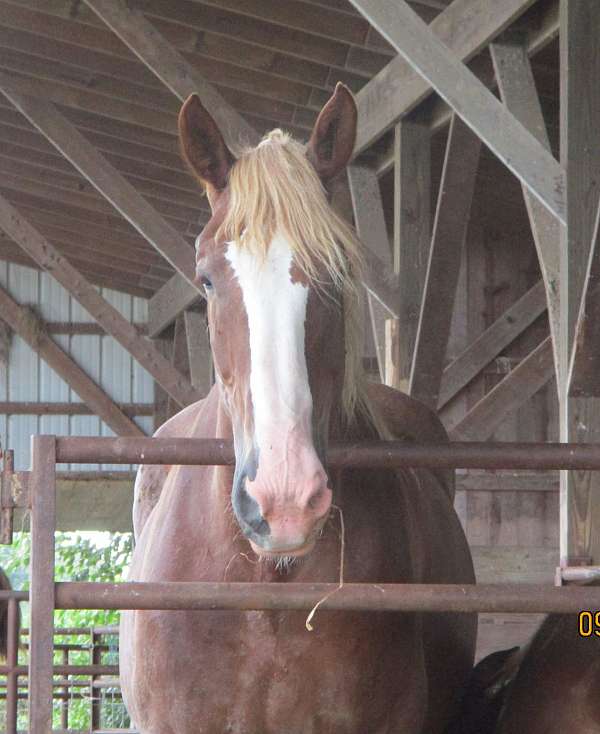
{"x":275,"y":63}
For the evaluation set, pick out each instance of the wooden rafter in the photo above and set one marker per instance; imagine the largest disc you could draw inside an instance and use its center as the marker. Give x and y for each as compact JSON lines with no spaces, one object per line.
{"x":182,"y":79}
{"x":445,"y":255}
{"x":494,"y":339}
{"x":30,"y":328}
{"x":518,"y":92}
{"x":512,"y":143}
{"x":198,"y":347}
{"x":105,"y":314}
{"x":412,"y":235}
{"x":465,"y":28}
{"x":103,"y":176}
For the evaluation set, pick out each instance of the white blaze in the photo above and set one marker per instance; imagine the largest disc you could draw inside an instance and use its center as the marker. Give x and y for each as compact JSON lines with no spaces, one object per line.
{"x":276,"y":311}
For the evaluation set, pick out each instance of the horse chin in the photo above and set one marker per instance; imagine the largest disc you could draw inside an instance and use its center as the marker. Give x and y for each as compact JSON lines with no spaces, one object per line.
{"x":284,"y":557}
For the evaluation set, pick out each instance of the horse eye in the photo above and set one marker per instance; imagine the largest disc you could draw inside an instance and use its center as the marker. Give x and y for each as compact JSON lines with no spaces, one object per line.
{"x":206,"y":283}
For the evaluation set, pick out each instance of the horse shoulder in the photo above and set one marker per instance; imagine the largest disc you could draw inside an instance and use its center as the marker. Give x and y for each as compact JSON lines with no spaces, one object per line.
{"x":150,"y":478}
{"x":411,"y":420}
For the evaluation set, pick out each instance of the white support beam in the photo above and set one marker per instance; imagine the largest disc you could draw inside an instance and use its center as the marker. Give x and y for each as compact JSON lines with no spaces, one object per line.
{"x":508,"y":139}
{"x":518,"y":92}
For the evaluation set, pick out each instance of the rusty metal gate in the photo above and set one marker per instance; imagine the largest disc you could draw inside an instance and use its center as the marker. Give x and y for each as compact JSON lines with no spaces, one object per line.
{"x":36,"y":489}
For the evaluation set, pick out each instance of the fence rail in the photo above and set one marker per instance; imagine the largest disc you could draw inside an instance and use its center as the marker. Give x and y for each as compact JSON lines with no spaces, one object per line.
{"x":46,"y":595}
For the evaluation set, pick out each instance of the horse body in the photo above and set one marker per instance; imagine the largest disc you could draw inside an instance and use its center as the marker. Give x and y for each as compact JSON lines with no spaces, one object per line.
{"x":280,"y":272}
{"x":263,"y":672}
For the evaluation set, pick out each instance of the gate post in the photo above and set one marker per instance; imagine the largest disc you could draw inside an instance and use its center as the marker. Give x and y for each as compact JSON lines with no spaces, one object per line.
{"x":41,"y":573}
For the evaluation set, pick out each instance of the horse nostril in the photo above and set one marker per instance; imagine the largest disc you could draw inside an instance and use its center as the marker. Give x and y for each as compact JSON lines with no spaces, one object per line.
{"x":316,"y":499}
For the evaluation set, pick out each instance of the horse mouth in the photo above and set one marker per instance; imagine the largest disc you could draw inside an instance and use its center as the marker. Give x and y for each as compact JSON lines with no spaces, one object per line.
{"x":275,"y":554}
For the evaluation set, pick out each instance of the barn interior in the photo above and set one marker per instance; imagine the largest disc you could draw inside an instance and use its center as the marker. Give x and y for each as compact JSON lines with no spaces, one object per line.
{"x":480,"y":287}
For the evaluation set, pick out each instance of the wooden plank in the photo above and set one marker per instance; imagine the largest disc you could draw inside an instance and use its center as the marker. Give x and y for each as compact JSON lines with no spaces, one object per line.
{"x":104,"y":177}
{"x":392,"y":373}
{"x":465,"y":28}
{"x":580,"y":156}
{"x":445,"y":255}
{"x":584,"y":374}
{"x":477,"y":480}
{"x":199,"y":353}
{"x":171,"y":68}
{"x":412,"y":233}
{"x":512,"y":143}
{"x":30,"y":328}
{"x":84,"y":293}
{"x":179,"y":358}
{"x":52,"y":408}
{"x":508,"y":395}
{"x":499,"y":335}
{"x":518,"y":92}
{"x":369,"y":219}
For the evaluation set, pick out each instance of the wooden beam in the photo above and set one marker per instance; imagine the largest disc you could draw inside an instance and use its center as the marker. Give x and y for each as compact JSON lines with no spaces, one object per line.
{"x":486,"y":347}
{"x":16,"y":408}
{"x":369,"y":220}
{"x":537,"y":37}
{"x":465,"y":28}
{"x":171,"y":68}
{"x":104,"y":177}
{"x":580,"y":156}
{"x":412,"y":235}
{"x":518,"y":92}
{"x":105,"y":314}
{"x":182,"y":79}
{"x":512,"y":143}
{"x":199,"y":353}
{"x":24,"y":322}
{"x":511,"y":393}
{"x":584,"y":369}
{"x":445,"y":254}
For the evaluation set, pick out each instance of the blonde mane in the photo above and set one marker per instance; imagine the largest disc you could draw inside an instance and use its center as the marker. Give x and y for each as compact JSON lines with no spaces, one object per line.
{"x":274,"y":188}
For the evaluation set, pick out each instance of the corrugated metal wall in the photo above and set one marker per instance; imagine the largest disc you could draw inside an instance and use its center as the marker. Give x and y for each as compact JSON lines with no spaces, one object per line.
{"x":28,"y":378}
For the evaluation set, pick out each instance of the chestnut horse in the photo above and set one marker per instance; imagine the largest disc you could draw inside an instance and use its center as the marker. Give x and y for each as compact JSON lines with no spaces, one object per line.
{"x":281,"y":272}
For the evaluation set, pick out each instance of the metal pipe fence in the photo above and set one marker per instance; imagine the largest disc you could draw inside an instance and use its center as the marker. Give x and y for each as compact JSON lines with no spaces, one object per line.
{"x":46,"y":596}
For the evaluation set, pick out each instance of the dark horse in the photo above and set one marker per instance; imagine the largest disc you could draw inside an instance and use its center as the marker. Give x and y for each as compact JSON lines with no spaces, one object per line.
{"x":550,"y":686}
{"x":282,"y":272}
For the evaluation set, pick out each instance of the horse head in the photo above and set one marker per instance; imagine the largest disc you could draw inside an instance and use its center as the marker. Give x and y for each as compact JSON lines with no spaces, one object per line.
{"x":280,"y":269}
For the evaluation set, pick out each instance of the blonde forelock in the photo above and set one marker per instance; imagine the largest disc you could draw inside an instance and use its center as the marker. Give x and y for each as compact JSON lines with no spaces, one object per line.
{"x":273,"y":188}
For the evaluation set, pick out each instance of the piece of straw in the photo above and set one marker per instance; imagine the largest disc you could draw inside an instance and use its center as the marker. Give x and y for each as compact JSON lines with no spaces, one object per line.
{"x":309,"y":626}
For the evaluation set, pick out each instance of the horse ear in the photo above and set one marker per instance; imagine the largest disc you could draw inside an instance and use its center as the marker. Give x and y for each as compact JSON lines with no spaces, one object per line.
{"x":202,"y":145}
{"x":334,"y":134}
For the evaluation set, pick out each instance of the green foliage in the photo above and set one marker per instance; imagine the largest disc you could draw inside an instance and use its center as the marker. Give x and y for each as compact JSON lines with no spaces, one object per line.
{"x":100,"y":557}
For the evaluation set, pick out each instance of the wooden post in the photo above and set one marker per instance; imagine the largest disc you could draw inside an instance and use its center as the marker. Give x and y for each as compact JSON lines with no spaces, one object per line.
{"x":580,"y":157}
{"x":517,"y":88}
{"x":412,"y":233}
{"x":41,"y":573}
{"x":370,"y":225}
{"x":452,"y":216}
{"x":199,"y":353}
